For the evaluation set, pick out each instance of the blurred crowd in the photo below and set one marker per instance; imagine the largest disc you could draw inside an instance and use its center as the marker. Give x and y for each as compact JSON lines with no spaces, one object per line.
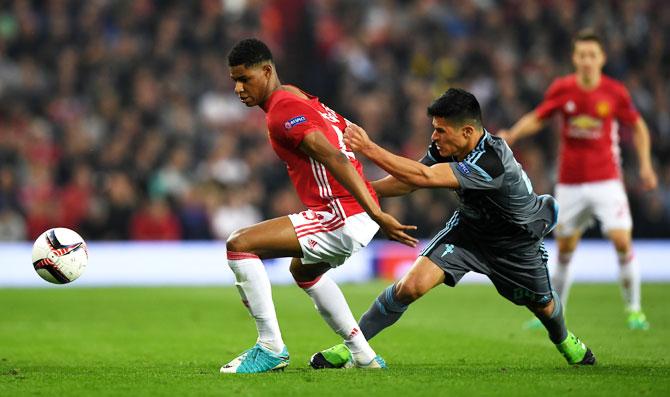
{"x":118,"y":118}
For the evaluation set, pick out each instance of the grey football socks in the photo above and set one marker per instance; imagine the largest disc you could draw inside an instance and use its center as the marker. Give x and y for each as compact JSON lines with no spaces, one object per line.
{"x":555,"y":324}
{"x":385,"y":311}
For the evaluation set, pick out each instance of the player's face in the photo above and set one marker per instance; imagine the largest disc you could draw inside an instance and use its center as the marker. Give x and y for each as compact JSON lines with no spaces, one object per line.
{"x":450,"y":140}
{"x":588,"y":58}
{"x":252,"y":83}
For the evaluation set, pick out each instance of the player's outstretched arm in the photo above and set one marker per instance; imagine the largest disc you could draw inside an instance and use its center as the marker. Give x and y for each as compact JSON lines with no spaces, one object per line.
{"x":337,"y":163}
{"x":527,"y":125}
{"x":390,"y":186}
{"x":407,"y":171}
{"x":643,"y":149}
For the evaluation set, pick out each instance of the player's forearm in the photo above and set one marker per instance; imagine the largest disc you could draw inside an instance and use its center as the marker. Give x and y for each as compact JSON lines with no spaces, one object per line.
{"x":642,"y":143}
{"x":527,"y":125}
{"x":316,"y":146}
{"x":340,"y":167}
{"x":391,"y":187}
{"x":407,"y":171}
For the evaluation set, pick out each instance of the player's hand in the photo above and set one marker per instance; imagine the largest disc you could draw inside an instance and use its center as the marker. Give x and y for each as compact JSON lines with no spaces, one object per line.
{"x":395,"y":230}
{"x":648,"y":178}
{"x":356,"y":138}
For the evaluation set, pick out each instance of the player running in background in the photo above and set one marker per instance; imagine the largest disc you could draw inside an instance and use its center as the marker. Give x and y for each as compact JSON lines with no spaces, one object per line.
{"x":342,"y":213}
{"x":497,"y":229}
{"x":590,"y":184}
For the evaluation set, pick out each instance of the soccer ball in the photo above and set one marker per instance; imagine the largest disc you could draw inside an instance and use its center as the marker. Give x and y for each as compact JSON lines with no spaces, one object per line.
{"x":60,"y":255}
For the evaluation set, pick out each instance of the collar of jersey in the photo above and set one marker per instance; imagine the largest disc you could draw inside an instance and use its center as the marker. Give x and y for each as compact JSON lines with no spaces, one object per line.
{"x":474,"y":155}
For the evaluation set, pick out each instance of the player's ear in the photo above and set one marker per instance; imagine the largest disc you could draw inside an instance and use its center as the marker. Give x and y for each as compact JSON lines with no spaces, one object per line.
{"x":467,"y":130}
{"x":267,"y":70}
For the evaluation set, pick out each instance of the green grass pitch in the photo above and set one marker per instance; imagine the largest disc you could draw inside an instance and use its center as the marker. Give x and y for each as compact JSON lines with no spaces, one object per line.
{"x":455,"y":341}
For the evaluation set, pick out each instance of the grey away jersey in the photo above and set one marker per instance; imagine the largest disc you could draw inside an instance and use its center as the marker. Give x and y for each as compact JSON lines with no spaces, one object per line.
{"x":497,"y":200}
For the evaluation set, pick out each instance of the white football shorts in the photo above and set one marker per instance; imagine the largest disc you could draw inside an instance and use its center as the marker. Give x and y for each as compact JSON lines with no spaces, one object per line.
{"x":579,"y":204}
{"x":327,"y":238}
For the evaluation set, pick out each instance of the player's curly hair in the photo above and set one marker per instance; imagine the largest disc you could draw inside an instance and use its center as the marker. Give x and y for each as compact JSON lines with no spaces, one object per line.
{"x":249,"y":52}
{"x":457,"y":106}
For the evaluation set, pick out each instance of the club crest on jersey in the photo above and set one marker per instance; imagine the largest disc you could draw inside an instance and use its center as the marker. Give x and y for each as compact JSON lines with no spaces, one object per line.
{"x":570,"y":106}
{"x":295,"y":121}
{"x":603,"y":109}
{"x":463,"y":168}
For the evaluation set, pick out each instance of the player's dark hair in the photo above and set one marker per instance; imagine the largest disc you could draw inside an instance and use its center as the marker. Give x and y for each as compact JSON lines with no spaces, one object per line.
{"x":249,"y":52}
{"x":457,"y":106}
{"x":587,"y":34}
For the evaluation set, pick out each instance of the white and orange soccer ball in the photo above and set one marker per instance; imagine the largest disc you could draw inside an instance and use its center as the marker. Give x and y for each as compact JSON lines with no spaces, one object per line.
{"x":60,"y":255}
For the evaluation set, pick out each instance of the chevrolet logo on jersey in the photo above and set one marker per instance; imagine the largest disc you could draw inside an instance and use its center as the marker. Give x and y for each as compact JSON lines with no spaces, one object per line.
{"x":585,"y":122}
{"x":585,"y":127}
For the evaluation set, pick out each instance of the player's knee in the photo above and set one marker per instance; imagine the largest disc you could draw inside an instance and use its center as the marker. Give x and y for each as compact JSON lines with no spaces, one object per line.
{"x":237,"y":242}
{"x":542,"y":309}
{"x":622,"y":243}
{"x":300,"y":273}
{"x":307,"y":275}
{"x":566,"y":245}
{"x":407,"y":291}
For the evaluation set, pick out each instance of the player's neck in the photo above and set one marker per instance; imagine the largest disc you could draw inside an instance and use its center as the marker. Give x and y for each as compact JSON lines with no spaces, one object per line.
{"x":273,"y":86}
{"x":472,"y":144}
{"x":293,"y":90}
{"x":589,"y":82}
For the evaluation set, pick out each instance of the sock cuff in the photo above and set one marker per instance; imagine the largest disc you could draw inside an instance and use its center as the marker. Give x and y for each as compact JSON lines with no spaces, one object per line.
{"x":625,"y":257}
{"x":389,"y":303}
{"x":308,"y":284}
{"x":235,"y":256}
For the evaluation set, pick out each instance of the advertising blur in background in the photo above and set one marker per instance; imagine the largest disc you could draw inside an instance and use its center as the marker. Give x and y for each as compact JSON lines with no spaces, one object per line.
{"x":118,"y":118}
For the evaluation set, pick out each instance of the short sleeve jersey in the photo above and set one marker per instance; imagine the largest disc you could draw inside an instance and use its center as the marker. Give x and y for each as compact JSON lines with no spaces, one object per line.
{"x":497,"y":201}
{"x":291,"y":118}
{"x":589,"y":149}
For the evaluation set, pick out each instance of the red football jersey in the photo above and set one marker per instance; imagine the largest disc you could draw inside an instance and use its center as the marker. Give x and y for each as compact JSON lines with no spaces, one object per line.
{"x":589,"y":149}
{"x":289,"y":119}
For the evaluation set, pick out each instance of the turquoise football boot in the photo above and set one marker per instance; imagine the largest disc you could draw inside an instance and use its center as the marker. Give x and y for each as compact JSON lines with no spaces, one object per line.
{"x":257,"y":360}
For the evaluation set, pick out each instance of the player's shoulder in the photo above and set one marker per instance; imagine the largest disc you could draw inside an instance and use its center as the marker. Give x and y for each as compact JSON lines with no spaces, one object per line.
{"x":566,"y":80}
{"x":284,"y":101}
{"x":613,"y":84}
{"x":488,"y":155}
{"x":561,"y":83}
{"x":290,"y":109}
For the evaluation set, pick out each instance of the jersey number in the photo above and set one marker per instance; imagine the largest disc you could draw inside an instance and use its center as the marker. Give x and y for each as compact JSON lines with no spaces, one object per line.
{"x":342,"y":145}
{"x":331,"y":116}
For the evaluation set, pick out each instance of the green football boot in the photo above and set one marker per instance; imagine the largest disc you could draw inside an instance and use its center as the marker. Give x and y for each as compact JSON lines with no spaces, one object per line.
{"x":575,"y":351}
{"x":637,"y":320}
{"x":339,"y":356}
